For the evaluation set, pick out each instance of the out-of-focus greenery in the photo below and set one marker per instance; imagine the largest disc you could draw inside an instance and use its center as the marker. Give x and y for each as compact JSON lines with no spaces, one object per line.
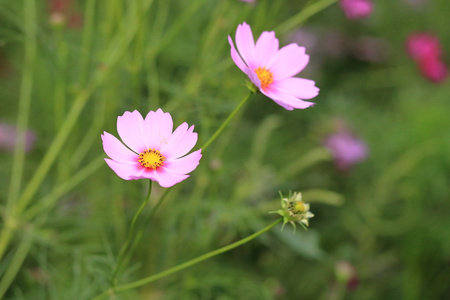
{"x":67,"y":213}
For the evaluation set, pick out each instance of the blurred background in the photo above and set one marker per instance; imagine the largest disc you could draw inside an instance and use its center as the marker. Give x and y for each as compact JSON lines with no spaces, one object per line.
{"x":371,"y":157}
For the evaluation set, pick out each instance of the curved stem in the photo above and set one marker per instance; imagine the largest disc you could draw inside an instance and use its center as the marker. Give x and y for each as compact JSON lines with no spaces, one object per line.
{"x":225,"y":123}
{"x":126,"y":246}
{"x":187,"y":264}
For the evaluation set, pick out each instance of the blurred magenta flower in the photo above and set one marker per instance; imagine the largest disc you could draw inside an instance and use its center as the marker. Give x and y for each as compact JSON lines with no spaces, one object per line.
{"x":426,"y":50}
{"x":356,"y":9}
{"x":421,"y":44}
{"x":433,"y":68}
{"x":8,"y":138}
{"x":272,"y":69}
{"x":346,"y":149}
{"x":151,"y":149}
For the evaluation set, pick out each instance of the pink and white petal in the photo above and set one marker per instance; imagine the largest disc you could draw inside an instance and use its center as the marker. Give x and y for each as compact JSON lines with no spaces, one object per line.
{"x":116,"y":150}
{"x":166,"y":179}
{"x":298,"y":87}
{"x":246,"y":44}
{"x":236,"y":57}
{"x":288,"y":61}
{"x":183,"y":139}
{"x":266,"y":47}
{"x":158,"y":128}
{"x":184,"y":164}
{"x":287,"y":101}
{"x":253,"y":77}
{"x":125,"y":171}
{"x":130,"y":127}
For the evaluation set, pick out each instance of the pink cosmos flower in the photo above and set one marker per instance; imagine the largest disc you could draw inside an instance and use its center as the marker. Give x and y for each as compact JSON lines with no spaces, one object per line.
{"x":151,"y":149}
{"x":272,"y":69}
{"x":356,"y":9}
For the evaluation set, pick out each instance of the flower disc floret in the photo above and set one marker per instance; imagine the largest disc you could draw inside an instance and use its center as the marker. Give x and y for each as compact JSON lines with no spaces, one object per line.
{"x":272,"y":70}
{"x":151,"y":149}
{"x":151,"y":158}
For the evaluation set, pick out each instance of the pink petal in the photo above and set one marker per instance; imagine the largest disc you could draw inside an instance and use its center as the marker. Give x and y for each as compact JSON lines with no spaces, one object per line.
{"x":130,"y":127}
{"x":266,"y":47}
{"x":253,"y":77}
{"x":125,"y":171}
{"x":287,"y":101}
{"x":166,"y":179}
{"x":158,"y":127}
{"x":236,"y":57}
{"x":116,"y":150}
{"x":183,"y":139}
{"x":298,"y":87}
{"x":246,"y":44}
{"x":289,"y":61}
{"x":184,"y":164}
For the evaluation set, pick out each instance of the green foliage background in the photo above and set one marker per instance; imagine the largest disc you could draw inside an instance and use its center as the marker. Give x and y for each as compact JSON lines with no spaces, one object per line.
{"x":388,"y":216}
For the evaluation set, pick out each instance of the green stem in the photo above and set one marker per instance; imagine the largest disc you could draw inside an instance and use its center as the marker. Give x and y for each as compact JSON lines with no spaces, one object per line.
{"x":303,"y":15}
{"x":24,"y":101}
{"x":15,"y":263}
{"x":187,"y":264}
{"x":225,"y":123}
{"x":125,"y":247}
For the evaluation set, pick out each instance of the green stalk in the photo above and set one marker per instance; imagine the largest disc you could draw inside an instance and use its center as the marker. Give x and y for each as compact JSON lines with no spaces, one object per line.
{"x":15,"y":264}
{"x":125,"y":247}
{"x":24,"y":102}
{"x":303,"y":15}
{"x":187,"y":264}
{"x":225,"y":123}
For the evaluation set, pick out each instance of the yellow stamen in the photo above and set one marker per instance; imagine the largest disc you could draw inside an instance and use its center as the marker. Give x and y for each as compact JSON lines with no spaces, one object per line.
{"x":265,"y":76}
{"x":151,"y":158}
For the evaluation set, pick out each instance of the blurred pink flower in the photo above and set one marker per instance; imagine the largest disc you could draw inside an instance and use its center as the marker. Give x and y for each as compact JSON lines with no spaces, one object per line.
{"x":8,"y":138}
{"x":425,"y":49}
{"x":151,"y":149}
{"x":272,"y":69}
{"x":422,"y":44}
{"x":346,"y":149}
{"x":249,"y":1}
{"x":356,"y":9}
{"x":433,"y":68}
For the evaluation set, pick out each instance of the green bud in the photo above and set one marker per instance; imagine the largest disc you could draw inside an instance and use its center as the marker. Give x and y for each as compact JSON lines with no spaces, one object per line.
{"x":294,"y":210}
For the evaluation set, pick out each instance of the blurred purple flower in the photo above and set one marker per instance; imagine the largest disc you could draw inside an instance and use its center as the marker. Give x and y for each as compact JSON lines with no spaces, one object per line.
{"x":356,"y":9}
{"x":8,"y":138}
{"x":346,"y":149}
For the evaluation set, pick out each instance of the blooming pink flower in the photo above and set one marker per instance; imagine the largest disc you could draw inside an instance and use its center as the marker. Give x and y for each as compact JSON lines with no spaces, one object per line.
{"x":420,"y":44}
{"x":356,"y":9}
{"x":154,"y":151}
{"x":272,"y":69}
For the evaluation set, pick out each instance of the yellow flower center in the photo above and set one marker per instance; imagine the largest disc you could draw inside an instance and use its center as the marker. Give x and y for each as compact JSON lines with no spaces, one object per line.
{"x":265,"y":76}
{"x":151,"y":158}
